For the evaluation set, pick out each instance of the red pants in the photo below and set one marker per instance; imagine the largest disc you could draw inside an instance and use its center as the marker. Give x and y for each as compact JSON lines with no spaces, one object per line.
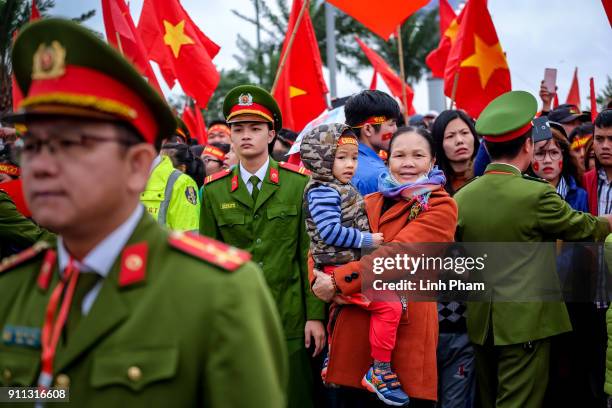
{"x":384,"y":321}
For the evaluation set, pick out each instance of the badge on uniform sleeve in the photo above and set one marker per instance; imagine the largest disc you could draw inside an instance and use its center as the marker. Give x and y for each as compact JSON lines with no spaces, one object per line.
{"x":191,"y":195}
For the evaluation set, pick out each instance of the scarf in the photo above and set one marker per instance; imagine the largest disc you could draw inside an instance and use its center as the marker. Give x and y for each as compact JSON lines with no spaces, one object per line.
{"x":419,"y":190}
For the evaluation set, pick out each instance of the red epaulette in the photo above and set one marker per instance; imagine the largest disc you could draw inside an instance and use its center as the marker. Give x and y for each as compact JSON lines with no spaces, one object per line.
{"x":10,"y":262}
{"x":294,"y":168}
{"x":217,"y":253}
{"x":218,"y":175}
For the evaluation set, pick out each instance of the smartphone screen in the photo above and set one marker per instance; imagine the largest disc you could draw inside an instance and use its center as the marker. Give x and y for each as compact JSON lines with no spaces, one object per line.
{"x":550,"y":79}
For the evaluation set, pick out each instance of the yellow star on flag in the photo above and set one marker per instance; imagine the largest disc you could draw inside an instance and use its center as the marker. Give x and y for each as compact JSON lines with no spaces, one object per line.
{"x":293,"y":92}
{"x":175,"y":37}
{"x":487,"y":58}
{"x":452,"y":30}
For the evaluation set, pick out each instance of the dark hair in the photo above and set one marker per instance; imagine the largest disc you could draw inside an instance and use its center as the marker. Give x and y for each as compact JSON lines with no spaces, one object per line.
{"x":604,"y":119}
{"x":424,"y":133}
{"x":181,"y":154}
{"x":216,"y":122}
{"x":437,"y":132}
{"x":588,"y":147}
{"x":583,"y":130}
{"x":365,"y":104}
{"x":224,"y":147}
{"x":509,"y":149}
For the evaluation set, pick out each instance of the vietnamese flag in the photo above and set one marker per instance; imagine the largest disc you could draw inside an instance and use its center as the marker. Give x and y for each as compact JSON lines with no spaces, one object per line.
{"x":392,"y":80}
{"x":573,"y":96}
{"x":195,"y":123}
{"x":121,"y":33}
{"x":476,"y":62}
{"x":593,"y":99}
{"x":449,"y":27}
{"x":301,"y":89}
{"x":382,"y":17}
{"x":35,"y":15}
{"x":182,"y":51}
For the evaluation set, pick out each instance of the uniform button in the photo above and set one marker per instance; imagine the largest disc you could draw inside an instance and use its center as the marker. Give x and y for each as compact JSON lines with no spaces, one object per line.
{"x":134,"y":373}
{"x":7,"y":375}
{"x":62,"y":381}
{"x":283,"y":213}
{"x":354,"y":275}
{"x":260,"y":264}
{"x":256,"y":216}
{"x":258,"y":241}
{"x":348,"y":279}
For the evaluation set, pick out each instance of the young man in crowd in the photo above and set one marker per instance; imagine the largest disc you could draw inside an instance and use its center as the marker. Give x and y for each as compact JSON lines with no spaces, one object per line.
{"x":512,"y":338}
{"x":258,"y":206}
{"x":373,"y":116}
{"x":218,"y":132}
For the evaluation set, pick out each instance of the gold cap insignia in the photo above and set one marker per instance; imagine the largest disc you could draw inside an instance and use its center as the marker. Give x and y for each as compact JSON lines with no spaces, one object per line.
{"x":245,"y":99}
{"x":49,"y":61}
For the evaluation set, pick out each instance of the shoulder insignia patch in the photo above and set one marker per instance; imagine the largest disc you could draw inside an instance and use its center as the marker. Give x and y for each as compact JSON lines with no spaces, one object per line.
{"x":191,"y":195}
{"x":10,"y":262}
{"x":217,"y":253}
{"x":294,"y":168}
{"x":218,"y":175}
{"x":528,"y":177}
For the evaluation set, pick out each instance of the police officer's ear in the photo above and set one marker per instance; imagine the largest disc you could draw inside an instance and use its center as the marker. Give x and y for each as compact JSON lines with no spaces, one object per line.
{"x":271,"y":138}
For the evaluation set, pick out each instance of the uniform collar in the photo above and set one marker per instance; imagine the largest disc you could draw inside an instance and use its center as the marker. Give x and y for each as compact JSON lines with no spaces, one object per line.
{"x":503,"y":167}
{"x":261,"y":173}
{"x":103,"y":256}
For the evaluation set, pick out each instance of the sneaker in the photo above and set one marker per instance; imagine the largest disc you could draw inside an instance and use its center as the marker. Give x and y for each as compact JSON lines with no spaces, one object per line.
{"x":386,"y":386}
{"x":324,"y":369}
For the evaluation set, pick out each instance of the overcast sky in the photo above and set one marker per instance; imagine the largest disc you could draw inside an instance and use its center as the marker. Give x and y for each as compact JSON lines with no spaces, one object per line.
{"x":560,"y":34}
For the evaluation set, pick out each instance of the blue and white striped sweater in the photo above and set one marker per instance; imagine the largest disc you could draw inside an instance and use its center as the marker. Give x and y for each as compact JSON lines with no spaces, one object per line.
{"x":325,"y":210}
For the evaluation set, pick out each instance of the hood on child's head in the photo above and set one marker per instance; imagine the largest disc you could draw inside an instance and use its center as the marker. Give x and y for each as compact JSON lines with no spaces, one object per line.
{"x":318,"y":149}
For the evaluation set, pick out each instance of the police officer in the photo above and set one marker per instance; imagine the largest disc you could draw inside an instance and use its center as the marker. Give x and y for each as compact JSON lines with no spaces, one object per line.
{"x":121,"y":311}
{"x":257,"y":206}
{"x":512,"y":338}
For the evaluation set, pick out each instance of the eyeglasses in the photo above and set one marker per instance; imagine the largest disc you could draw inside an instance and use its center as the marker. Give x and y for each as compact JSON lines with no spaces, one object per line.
{"x":210,"y":159}
{"x":63,"y":147}
{"x":553,"y":154}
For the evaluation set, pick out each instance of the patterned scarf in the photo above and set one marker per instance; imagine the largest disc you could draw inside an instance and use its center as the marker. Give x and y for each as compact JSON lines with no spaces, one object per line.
{"x":419,"y":190}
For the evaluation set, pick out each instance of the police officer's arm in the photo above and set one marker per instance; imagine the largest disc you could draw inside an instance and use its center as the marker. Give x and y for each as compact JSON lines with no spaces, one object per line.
{"x":556,"y":217}
{"x":247,"y":363}
{"x":16,"y":229}
{"x":208,"y":224}
{"x":184,"y":209}
{"x":315,"y":308}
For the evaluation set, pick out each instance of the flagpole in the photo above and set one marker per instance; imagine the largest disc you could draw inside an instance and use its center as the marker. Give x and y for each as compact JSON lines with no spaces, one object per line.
{"x":289,"y":45}
{"x":402,"y":72}
{"x":119,"y":43}
{"x":330,"y":38}
{"x":454,"y":91}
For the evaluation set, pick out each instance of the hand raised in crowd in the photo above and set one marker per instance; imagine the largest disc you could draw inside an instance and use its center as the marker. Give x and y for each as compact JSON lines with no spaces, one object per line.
{"x":546,"y":96}
{"x":316,"y":330}
{"x":323,"y":287}
{"x":378,"y":239}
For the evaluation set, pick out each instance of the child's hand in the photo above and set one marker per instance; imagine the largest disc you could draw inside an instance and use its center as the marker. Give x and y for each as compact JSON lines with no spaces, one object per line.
{"x":377,"y":239}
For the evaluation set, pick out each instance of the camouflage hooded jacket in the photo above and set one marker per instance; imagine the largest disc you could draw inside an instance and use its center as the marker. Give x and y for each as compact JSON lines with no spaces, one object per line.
{"x":317,"y":151}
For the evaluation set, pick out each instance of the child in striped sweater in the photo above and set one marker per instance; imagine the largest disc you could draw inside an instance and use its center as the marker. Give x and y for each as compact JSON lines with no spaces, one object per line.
{"x":338,"y":227}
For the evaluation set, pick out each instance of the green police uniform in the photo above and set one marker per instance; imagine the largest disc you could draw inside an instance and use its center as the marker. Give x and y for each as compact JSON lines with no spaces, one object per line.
{"x":179,"y":319}
{"x":171,"y":197}
{"x":512,"y":350}
{"x":273,"y":230}
{"x":17,"y":230}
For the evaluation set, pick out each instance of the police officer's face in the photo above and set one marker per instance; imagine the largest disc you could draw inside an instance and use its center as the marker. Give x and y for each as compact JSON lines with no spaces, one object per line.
{"x":84,"y":179}
{"x":251,"y":139}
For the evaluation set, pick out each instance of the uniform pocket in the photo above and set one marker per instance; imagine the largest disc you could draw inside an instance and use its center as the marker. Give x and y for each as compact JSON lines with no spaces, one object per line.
{"x":134,"y":368}
{"x":281,"y":211}
{"x":19,"y":367}
{"x":228,"y":219}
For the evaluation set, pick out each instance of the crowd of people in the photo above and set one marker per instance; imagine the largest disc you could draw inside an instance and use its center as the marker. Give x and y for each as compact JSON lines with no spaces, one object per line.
{"x":148,"y":270}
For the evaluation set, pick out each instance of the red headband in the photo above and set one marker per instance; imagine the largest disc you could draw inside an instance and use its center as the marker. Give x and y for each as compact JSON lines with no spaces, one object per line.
{"x":345,"y":140}
{"x":9,"y":169}
{"x":372,"y":120}
{"x":580,"y":142}
{"x":219,"y":127}
{"x":214,"y":151}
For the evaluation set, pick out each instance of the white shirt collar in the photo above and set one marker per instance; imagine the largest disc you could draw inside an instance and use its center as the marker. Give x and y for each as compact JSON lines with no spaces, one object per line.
{"x":261,"y":173}
{"x":101,"y":259}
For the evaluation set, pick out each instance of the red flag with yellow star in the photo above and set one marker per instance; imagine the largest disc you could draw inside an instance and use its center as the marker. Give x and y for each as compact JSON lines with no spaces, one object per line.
{"x":392,"y":80}
{"x":300,"y":92}
{"x":182,"y":51}
{"x":476,"y":66}
{"x":573,"y":96}
{"x":449,"y":27}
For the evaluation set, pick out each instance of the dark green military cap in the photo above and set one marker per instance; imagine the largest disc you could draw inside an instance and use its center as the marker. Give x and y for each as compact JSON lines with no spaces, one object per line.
{"x":507,"y":117}
{"x":64,"y":69}
{"x":250,"y":103}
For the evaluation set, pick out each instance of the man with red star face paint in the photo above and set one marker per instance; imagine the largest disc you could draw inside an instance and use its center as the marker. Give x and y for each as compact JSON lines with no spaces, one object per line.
{"x":373,"y":117}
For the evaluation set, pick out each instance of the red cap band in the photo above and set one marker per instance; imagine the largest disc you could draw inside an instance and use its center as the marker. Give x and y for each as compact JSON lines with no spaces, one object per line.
{"x":509,"y":136}
{"x":252,"y":108}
